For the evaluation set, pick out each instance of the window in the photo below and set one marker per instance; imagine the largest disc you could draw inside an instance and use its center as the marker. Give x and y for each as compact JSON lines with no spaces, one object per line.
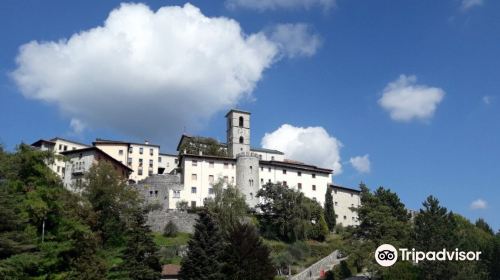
{"x":60,"y":147}
{"x":139,"y":172}
{"x":120,"y":152}
{"x":151,"y":152}
{"x":336,"y":203}
{"x":130,"y":150}
{"x":269,"y":169}
{"x":313,"y":175}
{"x":345,"y":217}
{"x":193,"y":204}
{"x":150,"y":193}
{"x":251,"y":167}
{"x":314,"y":187}
{"x":262,"y":181}
{"x":177,"y":194}
{"x":140,"y":162}
{"x":232,"y":165}
{"x":65,"y":147}
{"x":193,"y":189}
{"x":195,"y":163}
{"x":269,"y":181}
{"x":129,"y":161}
{"x":262,"y":168}
{"x":210,"y":178}
{"x":353,"y":218}
{"x":232,"y":180}
{"x":241,"y":139}
{"x":211,"y":164}
{"x":272,"y":158}
{"x":150,"y":163}
{"x":299,"y":173}
{"x":210,"y":190}
{"x":352,"y":205}
{"x":159,"y":159}
{"x":150,"y":172}
{"x":194,"y":177}
{"x":250,"y":182}
{"x":176,"y":161}
{"x":226,"y":179}
{"x":240,"y":123}
{"x":336,"y":216}
{"x":226,"y":165}
{"x":156,"y":193}
{"x":299,"y":186}
{"x":141,"y":150}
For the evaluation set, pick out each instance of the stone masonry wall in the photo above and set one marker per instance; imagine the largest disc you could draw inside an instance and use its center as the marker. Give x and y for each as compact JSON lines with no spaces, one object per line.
{"x":184,"y":221}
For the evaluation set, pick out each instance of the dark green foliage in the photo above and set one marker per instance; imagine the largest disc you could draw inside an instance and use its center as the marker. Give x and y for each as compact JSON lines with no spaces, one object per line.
{"x":112,"y":201}
{"x":228,"y":206}
{"x":205,"y":145}
{"x":288,"y":215}
{"x":482,"y":224}
{"x":329,"y":275}
{"x":45,"y":231}
{"x":383,"y":218}
{"x":435,"y":229}
{"x":329,"y":210}
{"x":401,"y":271}
{"x":246,"y":257}
{"x":140,"y":259}
{"x":344,"y":270}
{"x":170,"y":230}
{"x":204,"y":259}
{"x":494,"y":268}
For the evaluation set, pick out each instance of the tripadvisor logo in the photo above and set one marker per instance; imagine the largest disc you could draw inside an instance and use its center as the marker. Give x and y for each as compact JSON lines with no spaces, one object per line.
{"x":387,"y":255}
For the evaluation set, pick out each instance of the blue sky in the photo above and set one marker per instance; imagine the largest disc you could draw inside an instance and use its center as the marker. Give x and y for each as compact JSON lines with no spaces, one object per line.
{"x":412,"y":86}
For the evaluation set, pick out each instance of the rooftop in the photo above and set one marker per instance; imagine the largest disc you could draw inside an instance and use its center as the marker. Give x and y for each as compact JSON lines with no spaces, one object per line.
{"x":98,"y":151}
{"x":345,"y":188}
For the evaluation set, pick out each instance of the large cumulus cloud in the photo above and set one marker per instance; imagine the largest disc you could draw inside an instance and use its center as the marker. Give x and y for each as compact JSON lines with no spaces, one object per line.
{"x":313,"y":145}
{"x":147,"y":73}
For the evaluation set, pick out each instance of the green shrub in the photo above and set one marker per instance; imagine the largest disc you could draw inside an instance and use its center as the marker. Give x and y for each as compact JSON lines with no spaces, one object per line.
{"x":170,"y":230}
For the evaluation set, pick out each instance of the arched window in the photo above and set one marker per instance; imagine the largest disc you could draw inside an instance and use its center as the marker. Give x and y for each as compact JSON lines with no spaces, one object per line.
{"x":241,"y":139}
{"x":241,"y":122}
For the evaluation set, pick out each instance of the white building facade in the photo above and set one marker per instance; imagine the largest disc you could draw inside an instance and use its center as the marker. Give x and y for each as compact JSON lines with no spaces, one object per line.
{"x":345,"y":201}
{"x":58,"y":145}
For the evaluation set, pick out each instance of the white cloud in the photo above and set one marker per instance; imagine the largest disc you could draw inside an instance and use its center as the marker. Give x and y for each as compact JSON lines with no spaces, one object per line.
{"x":144,"y":73}
{"x":361,"y":163}
{"x":478,"y":204}
{"x":312,"y":145}
{"x":77,"y":126}
{"x":468,"y":4}
{"x":262,"y":5}
{"x":405,"y":100}
{"x":295,"y":39}
{"x":487,"y":99}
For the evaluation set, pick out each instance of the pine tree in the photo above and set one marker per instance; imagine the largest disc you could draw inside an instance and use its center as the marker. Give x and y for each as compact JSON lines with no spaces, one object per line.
{"x":435,"y":229}
{"x":140,"y":260}
{"x":247,"y":258}
{"x":205,"y":251}
{"x":329,"y":210}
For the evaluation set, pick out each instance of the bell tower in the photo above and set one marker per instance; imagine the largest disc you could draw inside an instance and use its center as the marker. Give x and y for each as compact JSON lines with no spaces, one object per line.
{"x":238,"y":132}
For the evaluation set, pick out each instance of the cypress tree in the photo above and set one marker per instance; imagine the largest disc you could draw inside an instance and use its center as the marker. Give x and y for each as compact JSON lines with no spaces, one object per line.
{"x":247,"y":258}
{"x":205,"y":251}
{"x":140,"y":260}
{"x":329,"y":211}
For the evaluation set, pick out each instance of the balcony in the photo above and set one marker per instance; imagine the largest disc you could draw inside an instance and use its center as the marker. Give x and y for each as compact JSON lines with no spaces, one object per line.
{"x":78,"y":169}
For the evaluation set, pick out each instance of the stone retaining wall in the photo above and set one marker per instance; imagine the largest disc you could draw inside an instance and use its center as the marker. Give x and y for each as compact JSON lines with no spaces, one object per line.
{"x":312,"y":272}
{"x":184,"y":221}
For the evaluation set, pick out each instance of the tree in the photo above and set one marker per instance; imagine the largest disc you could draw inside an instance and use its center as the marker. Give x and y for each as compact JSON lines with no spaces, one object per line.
{"x":170,"y":230}
{"x":329,"y":210}
{"x":383,"y":218}
{"x":482,"y":224}
{"x":228,"y":206}
{"x":494,"y":268}
{"x":204,"y":258}
{"x":246,"y":257}
{"x":112,"y":200}
{"x":288,"y":215}
{"x":435,"y":229}
{"x":140,"y":259}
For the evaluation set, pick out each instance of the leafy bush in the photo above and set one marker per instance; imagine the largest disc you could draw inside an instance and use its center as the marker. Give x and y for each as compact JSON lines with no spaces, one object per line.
{"x":170,"y":230}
